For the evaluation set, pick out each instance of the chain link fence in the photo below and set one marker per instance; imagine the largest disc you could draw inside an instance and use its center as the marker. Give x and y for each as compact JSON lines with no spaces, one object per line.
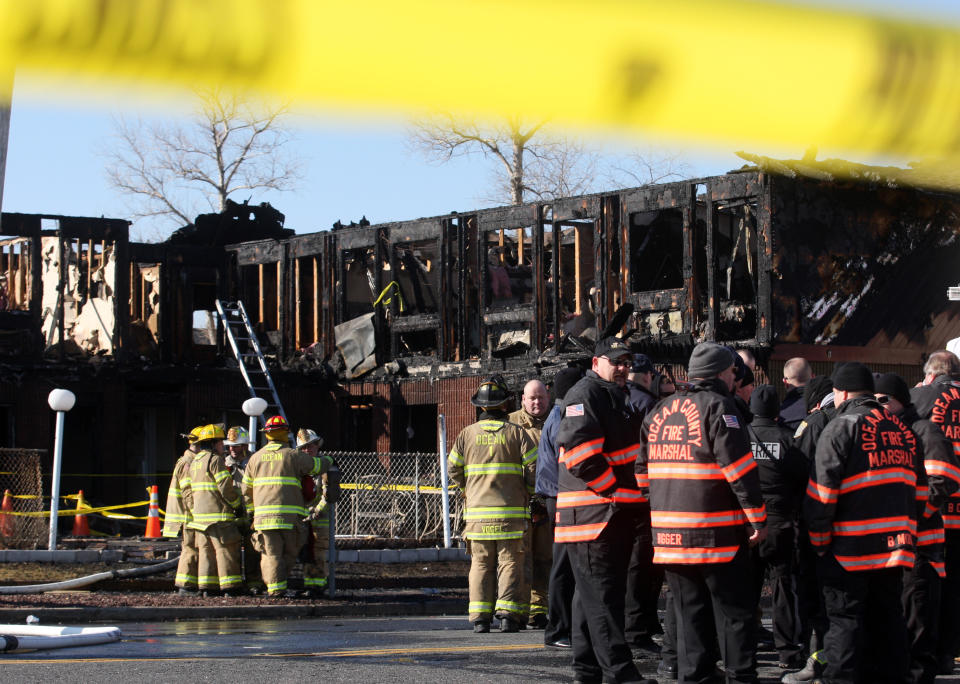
{"x":392,"y":499}
{"x":21,"y":484}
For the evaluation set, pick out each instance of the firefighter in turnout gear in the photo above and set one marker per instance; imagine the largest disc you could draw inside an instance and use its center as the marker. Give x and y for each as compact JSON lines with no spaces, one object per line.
{"x":271,"y":491}
{"x":706,"y":508}
{"x":315,"y":570}
{"x":493,"y":462}
{"x":238,"y":453}
{"x":599,"y":511}
{"x":213,"y":514}
{"x":938,"y":476}
{"x":860,"y":509}
{"x":539,"y":552}
{"x":938,"y":400}
{"x":178,"y":515}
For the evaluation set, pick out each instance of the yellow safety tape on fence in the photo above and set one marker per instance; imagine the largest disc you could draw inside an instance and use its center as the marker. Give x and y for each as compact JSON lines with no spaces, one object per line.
{"x":725,"y":70}
{"x":76,"y":511}
{"x":391,"y":488}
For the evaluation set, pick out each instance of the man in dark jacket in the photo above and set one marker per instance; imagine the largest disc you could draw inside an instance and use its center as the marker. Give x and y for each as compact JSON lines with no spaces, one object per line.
{"x":783,"y":476}
{"x":860,"y":511}
{"x":704,"y":496}
{"x":599,"y":507}
{"x":561,"y":587}
{"x":938,"y":399}
{"x":938,"y":476}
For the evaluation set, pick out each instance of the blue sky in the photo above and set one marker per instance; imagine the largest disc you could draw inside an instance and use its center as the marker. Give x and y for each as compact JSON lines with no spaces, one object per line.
{"x":352,"y":168}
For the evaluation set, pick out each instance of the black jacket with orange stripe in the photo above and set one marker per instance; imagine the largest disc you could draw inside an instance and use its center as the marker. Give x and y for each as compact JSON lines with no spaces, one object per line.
{"x":704,"y":487}
{"x":939,"y":402}
{"x":938,"y":477}
{"x":597,"y":445}
{"x":861,"y":498}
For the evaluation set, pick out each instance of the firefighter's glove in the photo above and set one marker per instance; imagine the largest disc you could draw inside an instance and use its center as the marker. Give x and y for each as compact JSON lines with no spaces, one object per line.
{"x":538,"y":510}
{"x":318,"y":510}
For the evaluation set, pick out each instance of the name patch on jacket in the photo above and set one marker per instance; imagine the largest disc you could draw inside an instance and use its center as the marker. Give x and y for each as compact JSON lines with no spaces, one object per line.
{"x":574,"y":410}
{"x":731,"y":421}
{"x":669,"y":539}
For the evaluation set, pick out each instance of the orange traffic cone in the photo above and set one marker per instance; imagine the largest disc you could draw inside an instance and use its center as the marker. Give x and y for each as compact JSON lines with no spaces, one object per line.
{"x":153,"y":516}
{"x":8,"y":524}
{"x":81,"y":528}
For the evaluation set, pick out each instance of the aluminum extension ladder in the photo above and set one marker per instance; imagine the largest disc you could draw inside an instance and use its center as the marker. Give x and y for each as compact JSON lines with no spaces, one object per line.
{"x":246,"y":349}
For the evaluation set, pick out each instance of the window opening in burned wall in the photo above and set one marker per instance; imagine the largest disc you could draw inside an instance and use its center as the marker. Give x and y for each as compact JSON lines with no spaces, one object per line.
{"x":736,"y":258}
{"x":656,"y":243}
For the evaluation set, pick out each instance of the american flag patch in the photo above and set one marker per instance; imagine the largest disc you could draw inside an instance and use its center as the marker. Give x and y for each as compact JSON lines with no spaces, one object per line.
{"x":574,"y":410}
{"x":731,"y":421}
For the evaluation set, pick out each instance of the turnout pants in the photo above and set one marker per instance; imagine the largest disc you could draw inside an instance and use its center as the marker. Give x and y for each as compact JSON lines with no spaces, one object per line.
{"x":865,"y":619}
{"x":218,"y":548}
{"x":187,"y":567}
{"x":600,"y":569}
{"x":316,"y":570}
{"x":726,"y":588}
{"x":562,"y":583}
{"x":278,"y":553}
{"x":921,"y":607}
{"x":498,"y":579}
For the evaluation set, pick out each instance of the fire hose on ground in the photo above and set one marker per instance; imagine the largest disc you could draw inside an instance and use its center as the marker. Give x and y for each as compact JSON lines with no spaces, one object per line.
{"x":87,"y":580}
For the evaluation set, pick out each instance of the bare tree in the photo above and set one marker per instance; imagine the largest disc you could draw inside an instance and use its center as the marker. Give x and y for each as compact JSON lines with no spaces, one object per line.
{"x":231,"y":144}
{"x":532,"y":163}
{"x":529,"y":164}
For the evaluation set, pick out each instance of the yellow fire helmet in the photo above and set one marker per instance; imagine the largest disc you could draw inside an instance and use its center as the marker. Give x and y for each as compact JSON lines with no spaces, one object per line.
{"x":210,"y":432}
{"x":193,"y":435}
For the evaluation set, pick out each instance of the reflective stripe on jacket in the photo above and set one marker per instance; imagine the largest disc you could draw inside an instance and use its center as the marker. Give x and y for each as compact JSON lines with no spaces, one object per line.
{"x":177,"y":513}
{"x":271,"y":486}
{"x":702,"y":478}
{"x":213,"y":494}
{"x":597,"y":444}
{"x":494,"y":462}
{"x":861,"y":497}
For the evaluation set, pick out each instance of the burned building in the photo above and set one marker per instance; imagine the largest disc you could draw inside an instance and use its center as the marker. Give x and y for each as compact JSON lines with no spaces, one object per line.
{"x":373,"y":330}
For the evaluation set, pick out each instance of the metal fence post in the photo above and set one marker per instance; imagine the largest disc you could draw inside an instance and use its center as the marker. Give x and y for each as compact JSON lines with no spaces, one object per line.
{"x":332,"y":552}
{"x":444,"y":491}
{"x":416,"y":496}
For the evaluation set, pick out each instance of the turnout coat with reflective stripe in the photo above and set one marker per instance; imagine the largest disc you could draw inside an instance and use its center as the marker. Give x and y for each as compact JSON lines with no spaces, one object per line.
{"x":597,"y":443}
{"x":861,"y":497}
{"x":210,"y":489}
{"x":271,"y":486}
{"x":177,"y":510}
{"x":704,"y":486}
{"x":494,"y":462}
{"x":938,"y":477}
{"x":940,"y":403}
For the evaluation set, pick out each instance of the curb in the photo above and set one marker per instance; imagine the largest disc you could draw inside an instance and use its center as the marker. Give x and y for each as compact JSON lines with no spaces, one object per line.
{"x":166,"y":613}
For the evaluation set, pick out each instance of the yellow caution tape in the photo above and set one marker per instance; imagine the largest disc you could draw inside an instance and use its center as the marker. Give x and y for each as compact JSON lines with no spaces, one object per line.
{"x":392,"y":488}
{"x":76,"y":511}
{"x":723,"y":70}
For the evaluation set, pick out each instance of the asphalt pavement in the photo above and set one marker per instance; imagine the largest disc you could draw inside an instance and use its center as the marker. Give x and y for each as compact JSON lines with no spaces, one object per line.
{"x":399,"y":649}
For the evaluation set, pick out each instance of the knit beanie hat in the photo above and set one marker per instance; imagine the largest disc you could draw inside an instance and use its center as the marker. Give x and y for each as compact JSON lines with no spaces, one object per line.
{"x":764,"y":402}
{"x":815,"y":390}
{"x":894,"y":386}
{"x":564,"y":380}
{"x":852,"y":377}
{"x":709,"y":359}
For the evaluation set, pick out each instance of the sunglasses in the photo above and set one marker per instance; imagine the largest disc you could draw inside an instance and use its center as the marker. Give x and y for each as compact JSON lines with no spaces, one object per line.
{"x":883,"y":399}
{"x":622,"y":362}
